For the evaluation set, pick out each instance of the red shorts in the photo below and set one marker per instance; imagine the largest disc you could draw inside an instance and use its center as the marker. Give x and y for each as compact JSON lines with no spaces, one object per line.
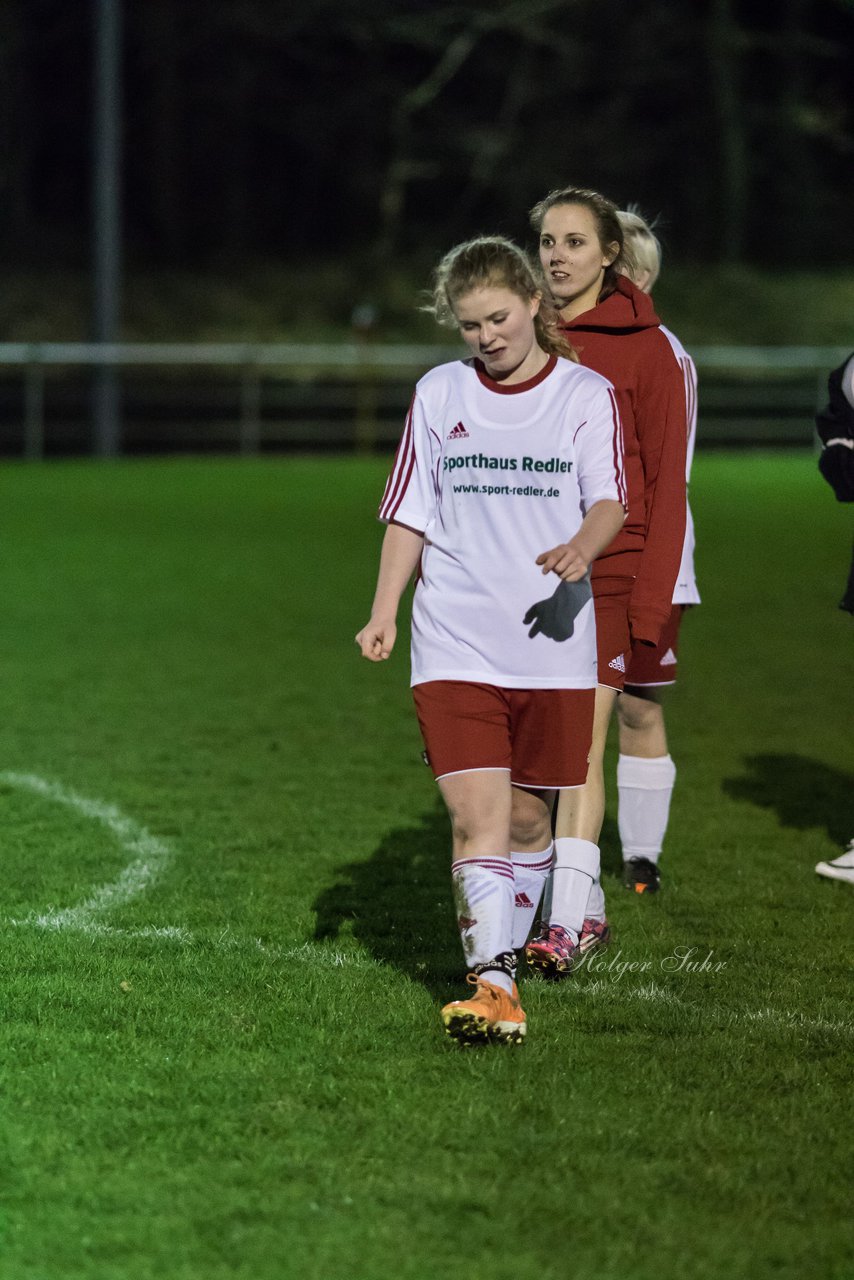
{"x":541,"y":737}
{"x":654,"y":667}
{"x":611,"y":598}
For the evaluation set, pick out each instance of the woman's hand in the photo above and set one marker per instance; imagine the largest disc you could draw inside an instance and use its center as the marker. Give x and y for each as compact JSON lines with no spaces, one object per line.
{"x":376,"y":640}
{"x":566,"y":561}
{"x":402,"y":548}
{"x":571,"y":560}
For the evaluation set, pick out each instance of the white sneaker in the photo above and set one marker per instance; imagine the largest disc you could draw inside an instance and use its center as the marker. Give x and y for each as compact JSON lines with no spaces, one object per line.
{"x":841,"y":868}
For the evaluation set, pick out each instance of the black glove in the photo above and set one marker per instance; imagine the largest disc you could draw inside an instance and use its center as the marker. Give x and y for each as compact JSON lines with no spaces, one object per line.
{"x":555,"y":617}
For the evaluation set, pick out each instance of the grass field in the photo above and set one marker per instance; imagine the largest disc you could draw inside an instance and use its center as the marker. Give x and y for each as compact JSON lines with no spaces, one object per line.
{"x":227,"y":917}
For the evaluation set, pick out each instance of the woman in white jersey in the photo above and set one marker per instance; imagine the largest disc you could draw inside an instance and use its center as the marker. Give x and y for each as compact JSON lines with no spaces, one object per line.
{"x":645,"y":771}
{"x":508,"y":476}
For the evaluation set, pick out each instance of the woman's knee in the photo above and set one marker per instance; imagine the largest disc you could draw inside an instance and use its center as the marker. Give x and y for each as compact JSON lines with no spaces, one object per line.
{"x":530,"y":820}
{"x":476,"y":799}
{"x":640,"y":715}
{"x":477,"y":827}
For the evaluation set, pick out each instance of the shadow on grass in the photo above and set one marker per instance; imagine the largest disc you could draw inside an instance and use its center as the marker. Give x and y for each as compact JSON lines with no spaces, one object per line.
{"x":398,"y":904}
{"x":804,"y":793}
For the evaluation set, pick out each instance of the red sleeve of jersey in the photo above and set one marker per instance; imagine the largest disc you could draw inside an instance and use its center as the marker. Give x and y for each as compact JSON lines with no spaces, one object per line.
{"x":401,"y":472}
{"x":661,"y":425}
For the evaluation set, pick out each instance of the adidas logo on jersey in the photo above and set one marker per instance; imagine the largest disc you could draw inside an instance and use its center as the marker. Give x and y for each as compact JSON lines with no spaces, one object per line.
{"x":522,"y":900}
{"x":669,"y":659}
{"x":618,"y":663}
{"x":459,"y":433}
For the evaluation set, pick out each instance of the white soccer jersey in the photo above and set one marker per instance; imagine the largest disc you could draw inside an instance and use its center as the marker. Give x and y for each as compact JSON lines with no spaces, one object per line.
{"x":494,"y":475}
{"x":685,"y":591}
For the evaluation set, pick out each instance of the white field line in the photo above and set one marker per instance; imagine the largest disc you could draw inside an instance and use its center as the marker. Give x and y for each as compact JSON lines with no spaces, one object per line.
{"x":796,"y":1021}
{"x":322,"y":957}
{"x":651,"y":992}
{"x":150,"y":857}
{"x":313,"y":953}
{"x":655,"y":994}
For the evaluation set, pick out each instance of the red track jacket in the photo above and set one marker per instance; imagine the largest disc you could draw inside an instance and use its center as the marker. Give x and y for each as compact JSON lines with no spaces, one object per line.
{"x":621,"y":339}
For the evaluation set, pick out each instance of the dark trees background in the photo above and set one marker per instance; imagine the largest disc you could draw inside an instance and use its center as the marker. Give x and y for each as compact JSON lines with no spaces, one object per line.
{"x":260,"y":129}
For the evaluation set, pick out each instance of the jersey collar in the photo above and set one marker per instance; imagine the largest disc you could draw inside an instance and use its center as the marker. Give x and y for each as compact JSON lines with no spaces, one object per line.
{"x":504,"y":390}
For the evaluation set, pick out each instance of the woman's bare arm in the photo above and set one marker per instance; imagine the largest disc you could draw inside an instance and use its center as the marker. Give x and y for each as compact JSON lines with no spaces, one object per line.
{"x":399,"y":559}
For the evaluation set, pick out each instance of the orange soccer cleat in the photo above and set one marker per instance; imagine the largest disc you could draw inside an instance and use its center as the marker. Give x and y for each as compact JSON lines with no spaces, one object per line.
{"x":491,"y":1014}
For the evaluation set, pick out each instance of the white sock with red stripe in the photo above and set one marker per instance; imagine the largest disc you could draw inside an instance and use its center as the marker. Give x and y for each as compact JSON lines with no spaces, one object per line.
{"x":576,"y":868}
{"x":484,"y":893}
{"x":531,"y":871}
{"x":645,"y":787}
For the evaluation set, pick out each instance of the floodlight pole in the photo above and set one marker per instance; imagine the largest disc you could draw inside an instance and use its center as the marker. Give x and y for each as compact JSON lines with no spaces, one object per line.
{"x":106,"y":207}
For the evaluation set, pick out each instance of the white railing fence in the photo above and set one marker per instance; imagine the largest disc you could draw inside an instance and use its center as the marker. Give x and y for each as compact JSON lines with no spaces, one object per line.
{"x":366,"y":365}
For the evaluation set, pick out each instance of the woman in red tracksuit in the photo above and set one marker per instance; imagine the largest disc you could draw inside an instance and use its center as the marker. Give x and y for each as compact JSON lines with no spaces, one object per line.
{"x":615,"y":331}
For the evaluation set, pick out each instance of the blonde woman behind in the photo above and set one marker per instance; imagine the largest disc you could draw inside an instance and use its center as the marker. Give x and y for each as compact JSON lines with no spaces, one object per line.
{"x":645,"y":771}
